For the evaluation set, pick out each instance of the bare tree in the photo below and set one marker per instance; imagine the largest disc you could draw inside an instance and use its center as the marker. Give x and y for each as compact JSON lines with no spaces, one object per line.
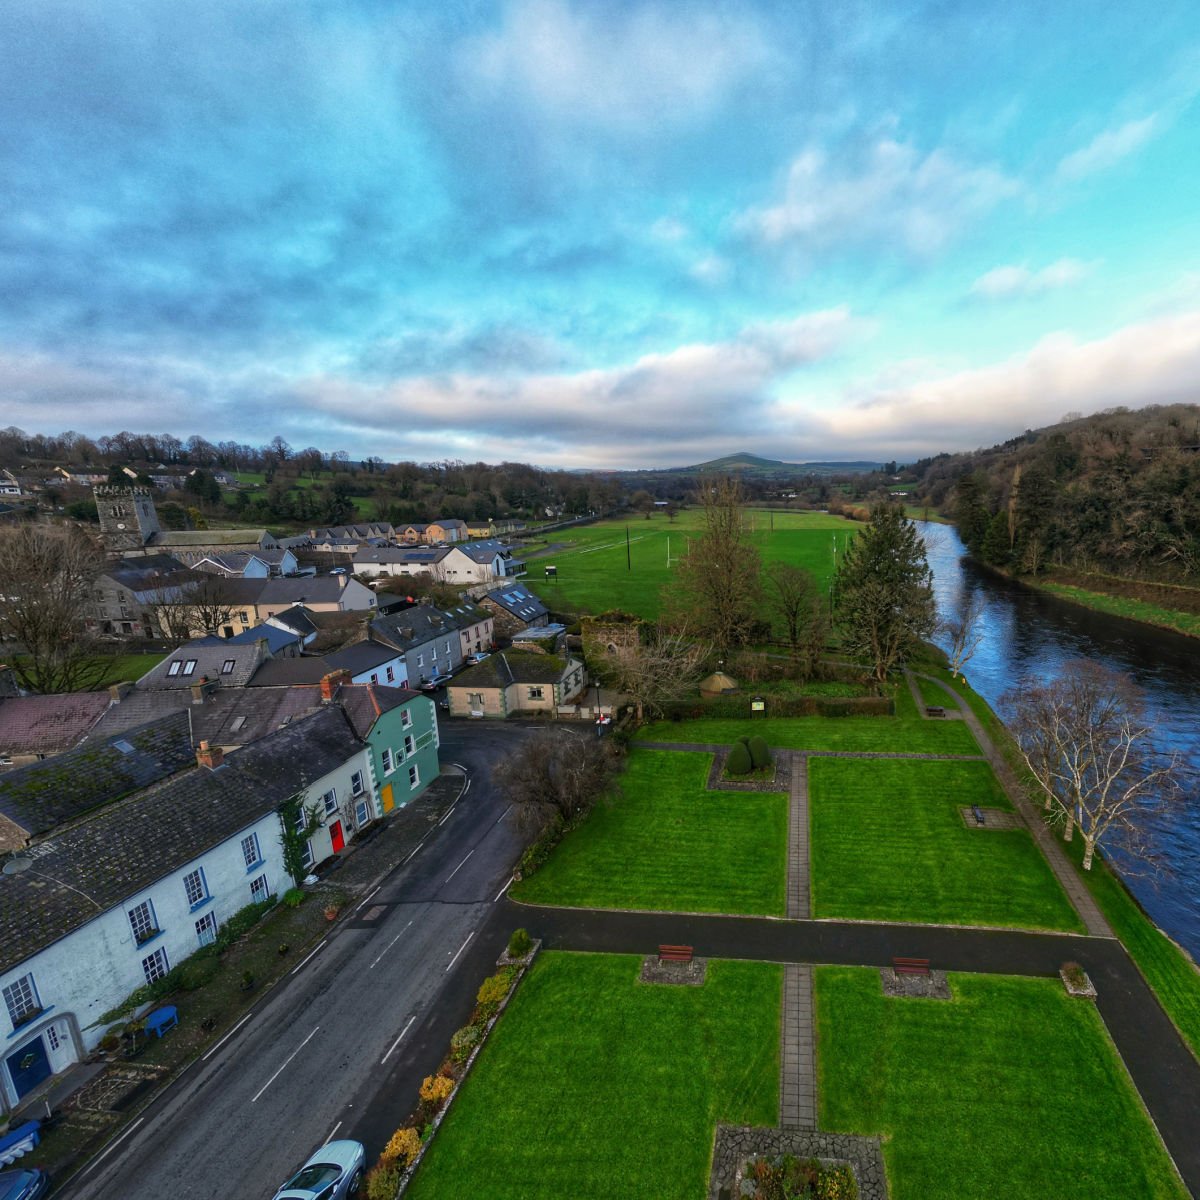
{"x":792,"y":595}
{"x":657,"y":667}
{"x":554,"y":777}
{"x":49,"y":574}
{"x":1085,"y":737}
{"x":963,"y":627}
{"x":194,"y":604}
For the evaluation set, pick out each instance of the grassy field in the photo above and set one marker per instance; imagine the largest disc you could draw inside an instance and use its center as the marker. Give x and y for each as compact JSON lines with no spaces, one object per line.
{"x":666,"y":843}
{"x":593,"y":575}
{"x":898,"y":735}
{"x":131,"y":666}
{"x":1010,"y":1089}
{"x":621,"y":1103}
{"x":1124,"y":606}
{"x":889,"y":844}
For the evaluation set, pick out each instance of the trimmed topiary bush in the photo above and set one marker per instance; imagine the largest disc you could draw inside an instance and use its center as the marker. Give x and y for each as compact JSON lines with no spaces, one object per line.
{"x":739,"y":761}
{"x":760,"y":754}
{"x":519,"y":944}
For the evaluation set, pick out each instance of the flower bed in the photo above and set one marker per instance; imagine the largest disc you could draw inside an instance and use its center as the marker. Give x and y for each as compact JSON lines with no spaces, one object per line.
{"x":792,"y":1178}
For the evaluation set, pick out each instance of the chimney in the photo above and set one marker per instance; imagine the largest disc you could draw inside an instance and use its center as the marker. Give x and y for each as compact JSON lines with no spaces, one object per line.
{"x":209,"y":756}
{"x":330,"y":684}
{"x":118,"y":691}
{"x":343,"y":580}
{"x":204,"y":690}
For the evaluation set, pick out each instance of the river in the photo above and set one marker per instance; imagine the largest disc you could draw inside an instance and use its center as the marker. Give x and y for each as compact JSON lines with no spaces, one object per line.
{"x":1028,"y":633}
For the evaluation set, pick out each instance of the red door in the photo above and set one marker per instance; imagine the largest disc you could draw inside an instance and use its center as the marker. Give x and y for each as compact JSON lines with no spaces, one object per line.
{"x":335,"y":835}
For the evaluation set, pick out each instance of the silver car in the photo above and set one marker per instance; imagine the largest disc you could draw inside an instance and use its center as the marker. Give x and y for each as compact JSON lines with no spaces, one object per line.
{"x":332,"y":1173}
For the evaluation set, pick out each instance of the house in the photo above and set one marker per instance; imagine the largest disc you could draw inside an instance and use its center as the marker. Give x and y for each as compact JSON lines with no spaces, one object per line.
{"x":320,"y":593}
{"x":373,"y":561}
{"x":126,"y":595}
{"x":346,"y":539}
{"x":259,"y":564}
{"x":207,"y":662}
{"x":87,"y":476}
{"x":514,"y":608}
{"x":542,"y":639}
{"x":510,"y":682}
{"x":429,"y":639}
{"x":476,"y":628}
{"x":191,"y":545}
{"x":370,"y":662}
{"x":297,"y":620}
{"x":479,"y":562}
{"x":281,"y":642}
{"x":481,"y":529}
{"x":36,"y":727}
{"x":412,"y":533}
{"x":8,"y":483}
{"x":447,"y":530}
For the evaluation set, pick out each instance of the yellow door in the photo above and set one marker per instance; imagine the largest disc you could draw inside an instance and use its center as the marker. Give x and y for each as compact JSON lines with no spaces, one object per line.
{"x":386,"y":794}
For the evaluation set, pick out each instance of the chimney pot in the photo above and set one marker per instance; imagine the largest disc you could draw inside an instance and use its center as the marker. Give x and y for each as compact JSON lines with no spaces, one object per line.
{"x":209,"y":756}
{"x":331,"y":682}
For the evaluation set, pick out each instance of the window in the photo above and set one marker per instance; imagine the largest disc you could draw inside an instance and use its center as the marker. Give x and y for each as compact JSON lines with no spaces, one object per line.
{"x":301,"y":822}
{"x":535,"y":693}
{"x":206,"y":929}
{"x":194,"y":887}
{"x":155,"y":966}
{"x":329,"y":800}
{"x":391,"y":675}
{"x":307,"y":859}
{"x":420,"y":660}
{"x":21,"y":1000}
{"x":244,"y":618}
{"x":141,"y":921}
{"x":409,"y":745}
{"x":189,"y":667}
{"x":175,"y":668}
{"x":414,"y":776}
{"x":447,"y":647}
{"x":374,"y":677}
{"x":52,"y":1038}
{"x":362,"y":812}
{"x":250,"y":851}
{"x":405,"y":719}
{"x":259,"y":891}
{"x":389,"y":764}
{"x":356,"y":784}
{"x":228,"y":665}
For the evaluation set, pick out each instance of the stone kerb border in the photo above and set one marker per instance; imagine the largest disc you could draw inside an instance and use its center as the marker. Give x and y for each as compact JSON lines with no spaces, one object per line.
{"x":780,"y":782}
{"x":736,"y":1145}
{"x":435,"y":1124}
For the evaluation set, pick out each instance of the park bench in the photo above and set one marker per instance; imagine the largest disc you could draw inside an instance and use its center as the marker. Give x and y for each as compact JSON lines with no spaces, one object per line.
{"x":162,"y":1019}
{"x":680,"y":954}
{"x":977,"y":813}
{"x":934,"y":710}
{"x":910,"y":966}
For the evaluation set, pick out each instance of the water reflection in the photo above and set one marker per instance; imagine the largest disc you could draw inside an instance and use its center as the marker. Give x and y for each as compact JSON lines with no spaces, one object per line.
{"x":1025,"y":632}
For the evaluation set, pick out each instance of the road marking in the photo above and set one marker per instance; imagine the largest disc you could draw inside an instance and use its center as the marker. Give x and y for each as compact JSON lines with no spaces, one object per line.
{"x":389,"y":946}
{"x":114,"y":1145}
{"x":285,"y":1063}
{"x":504,"y":888}
{"x":460,"y":950}
{"x":331,"y":1133}
{"x":305,"y":959}
{"x":364,"y":903}
{"x":416,"y":848}
{"x":397,"y":1041}
{"x":447,"y":816}
{"x":459,"y":766}
{"x":506,"y":812}
{"x":206,"y":1057}
{"x":466,"y":789}
{"x":459,"y":867}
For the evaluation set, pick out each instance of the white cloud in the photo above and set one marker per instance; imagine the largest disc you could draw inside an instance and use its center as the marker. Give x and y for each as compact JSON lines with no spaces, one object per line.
{"x":1107,"y":149}
{"x":711,"y":269}
{"x":1008,"y":282}
{"x":669,"y":229}
{"x":896,"y":195}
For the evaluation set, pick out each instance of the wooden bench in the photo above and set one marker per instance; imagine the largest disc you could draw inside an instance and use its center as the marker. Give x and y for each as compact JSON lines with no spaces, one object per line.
{"x":910,"y":966}
{"x":934,"y":710}
{"x":681,"y":954}
{"x":977,"y":813}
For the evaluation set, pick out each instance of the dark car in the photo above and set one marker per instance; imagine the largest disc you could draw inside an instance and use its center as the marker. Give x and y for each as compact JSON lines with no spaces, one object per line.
{"x":26,"y":1184}
{"x":332,"y":1173}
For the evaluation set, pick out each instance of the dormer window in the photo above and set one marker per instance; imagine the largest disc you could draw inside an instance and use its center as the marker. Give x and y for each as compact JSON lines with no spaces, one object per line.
{"x":228,"y":665}
{"x":175,"y":668}
{"x":189,"y":667}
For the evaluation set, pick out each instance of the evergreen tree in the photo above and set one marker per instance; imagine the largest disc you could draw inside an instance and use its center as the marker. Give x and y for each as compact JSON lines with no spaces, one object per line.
{"x":884,"y":590}
{"x":971,"y":510}
{"x":997,"y":545}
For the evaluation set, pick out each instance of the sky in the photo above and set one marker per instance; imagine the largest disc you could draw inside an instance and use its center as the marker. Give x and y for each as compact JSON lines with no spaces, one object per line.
{"x":596,"y":235}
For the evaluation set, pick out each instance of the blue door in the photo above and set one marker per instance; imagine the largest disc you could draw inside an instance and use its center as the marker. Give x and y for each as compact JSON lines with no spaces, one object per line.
{"x":28,"y":1066}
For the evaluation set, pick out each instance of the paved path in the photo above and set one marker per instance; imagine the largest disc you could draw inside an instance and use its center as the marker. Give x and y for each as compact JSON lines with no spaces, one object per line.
{"x":798,"y":1062}
{"x":797,"y":868}
{"x":1077,"y":891}
{"x":923,"y":756}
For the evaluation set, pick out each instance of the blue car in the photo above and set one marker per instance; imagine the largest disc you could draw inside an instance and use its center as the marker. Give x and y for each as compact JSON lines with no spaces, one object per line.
{"x":24,"y":1185}
{"x":332,"y":1173}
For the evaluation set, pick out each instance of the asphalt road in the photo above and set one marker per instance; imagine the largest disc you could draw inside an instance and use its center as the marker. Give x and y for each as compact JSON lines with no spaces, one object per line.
{"x":340,"y":1047}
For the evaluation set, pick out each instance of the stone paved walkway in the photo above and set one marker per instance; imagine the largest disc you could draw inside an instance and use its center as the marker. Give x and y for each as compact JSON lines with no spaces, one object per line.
{"x":1064,"y":870}
{"x":798,"y":906}
{"x":798,"y":1062}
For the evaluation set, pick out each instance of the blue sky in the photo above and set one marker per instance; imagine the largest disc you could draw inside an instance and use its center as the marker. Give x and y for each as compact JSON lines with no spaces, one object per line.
{"x":603,"y":235}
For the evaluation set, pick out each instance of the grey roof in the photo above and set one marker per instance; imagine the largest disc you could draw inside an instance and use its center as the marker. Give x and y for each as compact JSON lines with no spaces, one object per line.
{"x":197,"y":539}
{"x":48,"y":724}
{"x":430,"y":555}
{"x":381,"y":554}
{"x":461,"y":616}
{"x":88,"y":869}
{"x":485,"y":551}
{"x":302,"y":589}
{"x":509,"y":666}
{"x":291,"y":671}
{"x":449,"y":523}
{"x":412,"y":626}
{"x":210,"y":657}
{"x":297,"y":618}
{"x":133,"y":573}
{"x":518,"y":600}
{"x":234,"y":561}
{"x":277,"y":639}
{"x":43,"y":795}
{"x":361,"y":656}
{"x":351,"y":533}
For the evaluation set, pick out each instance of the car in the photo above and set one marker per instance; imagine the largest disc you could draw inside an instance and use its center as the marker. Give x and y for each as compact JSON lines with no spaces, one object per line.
{"x":331,"y":1173}
{"x":338,"y":571}
{"x":432,"y":685}
{"x":480,"y":656}
{"x":24,"y":1184}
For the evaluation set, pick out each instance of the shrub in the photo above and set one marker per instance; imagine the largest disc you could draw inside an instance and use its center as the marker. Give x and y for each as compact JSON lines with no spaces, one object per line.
{"x":519,"y":944}
{"x":837,"y":1183}
{"x":241,"y":923}
{"x":493,"y":989}
{"x":294,"y":897}
{"x":402,"y":1147}
{"x":760,"y":755}
{"x":383,"y":1181}
{"x":739,"y":761}
{"x":436,"y":1088}
{"x":464,"y":1041}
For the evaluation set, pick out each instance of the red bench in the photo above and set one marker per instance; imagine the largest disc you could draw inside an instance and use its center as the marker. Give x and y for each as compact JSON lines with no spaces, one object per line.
{"x":910,"y":966}
{"x":682,"y":954}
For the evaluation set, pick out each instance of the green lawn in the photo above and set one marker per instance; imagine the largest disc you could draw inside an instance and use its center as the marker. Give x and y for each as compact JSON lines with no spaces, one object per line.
{"x":595,"y":1085}
{"x":1124,"y":606}
{"x":888,"y":844}
{"x":594,"y":574}
{"x":897,"y":735}
{"x":131,"y":666}
{"x":1011,"y":1089}
{"x":667,"y":843}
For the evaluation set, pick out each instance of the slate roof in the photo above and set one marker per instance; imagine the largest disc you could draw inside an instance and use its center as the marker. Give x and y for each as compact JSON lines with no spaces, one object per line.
{"x":303,"y":589}
{"x":210,"y":657}
{"x":234,"y":561}
{"x":297,"y":618}
{"x":277,"y":639}
{"x":449,"y":523}
{"x":430,"y":555}
{"x":121,"y":851}
{"x":485,"y":551}
{"x":520,"y":601}
{"x":199,"y":538}
{"x":46,"y":794}
{"x":48,"y":724}
{"x":411,"y":627}
{"x":381,"y":554}
{"x":461,"y":616}
{"x":361,"y":656}
{"x":134,"y":572}
{"x":282,"y":671}
{"x":509,"y":666}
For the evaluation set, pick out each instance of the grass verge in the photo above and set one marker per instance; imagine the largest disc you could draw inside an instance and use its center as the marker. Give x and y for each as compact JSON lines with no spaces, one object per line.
{"x":1010,"y":1089}
{"x":665,"y":842}
{"x":622,"y":1103}
{"x":1126,"y":606}
{"x":889,"y":844}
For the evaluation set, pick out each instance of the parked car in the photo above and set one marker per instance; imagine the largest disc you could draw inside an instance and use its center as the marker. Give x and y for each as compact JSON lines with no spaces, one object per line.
{"x":25,"y":1184}
{"x":332,"y":1173}
{"x":432,"y":685}
{"x":480,"y":655}
{"x":338,"y":571}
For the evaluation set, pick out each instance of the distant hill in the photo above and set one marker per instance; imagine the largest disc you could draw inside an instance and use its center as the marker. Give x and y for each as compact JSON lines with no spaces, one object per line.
{"x":753,"y":464}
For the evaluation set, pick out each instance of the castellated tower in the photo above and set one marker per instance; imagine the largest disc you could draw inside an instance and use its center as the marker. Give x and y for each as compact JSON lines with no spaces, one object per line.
{"x":127,"y":518}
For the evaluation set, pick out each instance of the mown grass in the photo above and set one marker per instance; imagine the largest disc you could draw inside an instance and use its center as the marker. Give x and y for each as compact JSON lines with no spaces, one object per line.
{"x":889,"y":844}
{"x":1123,"y":606}
{"x":594,"y":1085}
{"x":893,"y":735}
{"x":594,"y":574}
{"x":1010,"y":1089}
{"x":666,"y":843}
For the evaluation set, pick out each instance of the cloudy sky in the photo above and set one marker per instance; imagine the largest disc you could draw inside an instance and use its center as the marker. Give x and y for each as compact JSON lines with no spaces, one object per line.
{"x":598,"y":234}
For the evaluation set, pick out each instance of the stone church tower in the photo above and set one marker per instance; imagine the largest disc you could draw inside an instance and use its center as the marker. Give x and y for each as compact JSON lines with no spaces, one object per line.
{"x":127,"y":518}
